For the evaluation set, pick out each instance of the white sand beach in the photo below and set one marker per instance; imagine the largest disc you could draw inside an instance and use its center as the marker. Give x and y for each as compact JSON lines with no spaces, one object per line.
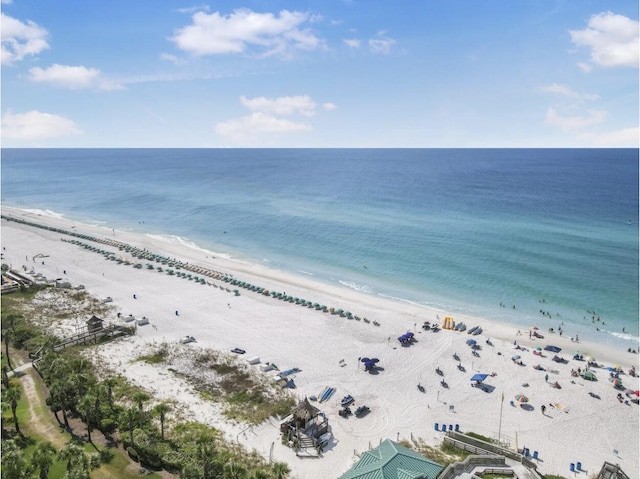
{"x":576,"y":426}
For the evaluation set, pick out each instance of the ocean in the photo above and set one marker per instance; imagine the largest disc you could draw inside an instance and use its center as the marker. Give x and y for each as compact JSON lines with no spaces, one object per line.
{"x":522,"y":236}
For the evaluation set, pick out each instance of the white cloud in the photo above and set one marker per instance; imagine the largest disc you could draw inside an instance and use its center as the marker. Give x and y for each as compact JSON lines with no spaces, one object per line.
{"x":352,"y":42}
{"x":269,"y":34}
{"x":266,"y":119}
{"x":195,"y":8}
{"x":35,"y":125}
{"x":574,"y":122}
{"x":283,"y":106}
{"x":585,"y":67}
{"x":72,"y":77}
{"x":20,"y":39}
{"x":381,"y":45}
{"x":627,"y":137}
{"x":67,"y":76}
{"x":613,"y":39}
{"x":247,"y":127}
{"x":562,"y":90}
{"x":172,"y":58}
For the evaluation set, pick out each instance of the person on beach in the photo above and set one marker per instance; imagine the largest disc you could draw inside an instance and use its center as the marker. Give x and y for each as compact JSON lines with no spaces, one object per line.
{"x":134,"y":297}
{"x":543,"y":408}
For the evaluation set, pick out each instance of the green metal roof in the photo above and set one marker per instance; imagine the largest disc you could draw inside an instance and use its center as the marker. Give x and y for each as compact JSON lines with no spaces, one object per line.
{"x":390,"y":460}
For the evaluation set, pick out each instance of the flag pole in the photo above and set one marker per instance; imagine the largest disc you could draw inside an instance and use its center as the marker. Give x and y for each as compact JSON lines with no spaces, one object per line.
{"x":500,"y":423}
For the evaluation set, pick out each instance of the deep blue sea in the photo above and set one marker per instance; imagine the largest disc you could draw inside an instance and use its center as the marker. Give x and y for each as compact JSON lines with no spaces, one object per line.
{"x":476,"y":231}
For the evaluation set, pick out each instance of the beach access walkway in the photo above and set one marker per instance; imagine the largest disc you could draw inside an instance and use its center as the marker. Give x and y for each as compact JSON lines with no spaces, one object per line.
{"x":511,"y":467}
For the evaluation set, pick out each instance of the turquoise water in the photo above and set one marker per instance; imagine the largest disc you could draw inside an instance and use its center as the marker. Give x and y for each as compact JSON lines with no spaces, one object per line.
{"x":461,"y":230}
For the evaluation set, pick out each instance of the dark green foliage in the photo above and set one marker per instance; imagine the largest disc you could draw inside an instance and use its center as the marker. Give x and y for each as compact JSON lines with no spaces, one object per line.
{"x":133,"y":454}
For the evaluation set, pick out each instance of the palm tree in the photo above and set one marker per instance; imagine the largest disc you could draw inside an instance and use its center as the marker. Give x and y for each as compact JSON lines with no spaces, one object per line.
{"x":129,"y":417}
{"x":43,"y":457}
{"x":260,"y":474}
{"x":59,"y":391}
{"x":110,"y":383}
{"x":13,"y":464}
{"x":11,"y":320}
{"x":7,"y":339}
{"x":280,"y":470}
{"x":234,"y":470}
{"x":13,"y":395}
{"x":78,"y":463}
{"x":72,"y":453}
{"x":85,"y":407}
{"x":206,"y":457}
{"x":161,"y":410}
{"x":141,"y":398}
{"x":5,"y":375}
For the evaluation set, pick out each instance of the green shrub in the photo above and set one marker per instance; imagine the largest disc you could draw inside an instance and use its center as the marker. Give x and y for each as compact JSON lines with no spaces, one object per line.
{"x":133,"y":454}
{"x":108,"y":425}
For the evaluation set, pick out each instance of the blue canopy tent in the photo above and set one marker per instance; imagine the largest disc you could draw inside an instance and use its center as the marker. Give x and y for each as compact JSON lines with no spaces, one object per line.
{"x":554,"y":349}
{"x":471,"y":342}
{"x":369,"y":363}
{"x":406,"y":338}
{"x":479,"y":377}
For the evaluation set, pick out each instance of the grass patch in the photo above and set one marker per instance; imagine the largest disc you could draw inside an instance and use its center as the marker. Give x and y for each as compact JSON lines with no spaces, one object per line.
{"x":158,"y":356}
{"x":481,"y":437}
{"x":444,"y":455}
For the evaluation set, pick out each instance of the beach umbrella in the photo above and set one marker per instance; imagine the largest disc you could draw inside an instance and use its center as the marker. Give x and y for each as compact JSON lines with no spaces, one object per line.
{"x":534,"y":328}
{"x":365,"y":360}
{"x":374,"y":360}
{"x":576,"y":352}
{"x":471,"y":341}
{"x":636,"y":392}
{"x":616,"y":382}
{"x":538,"y":348}
{"x":521,"y":398}
{"x":617,"y":367}
{"x":516,"y":357}
{"x":588,"y":375}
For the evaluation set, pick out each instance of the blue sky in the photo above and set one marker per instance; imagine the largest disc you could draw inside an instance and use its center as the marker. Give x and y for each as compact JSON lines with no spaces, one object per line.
{"x":351,"y":73}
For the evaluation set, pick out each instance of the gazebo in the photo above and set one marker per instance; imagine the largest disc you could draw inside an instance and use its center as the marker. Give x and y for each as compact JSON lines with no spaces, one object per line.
{"x":390,"y":460}
{"x":304,"y":414}
{"x":305,"y":425}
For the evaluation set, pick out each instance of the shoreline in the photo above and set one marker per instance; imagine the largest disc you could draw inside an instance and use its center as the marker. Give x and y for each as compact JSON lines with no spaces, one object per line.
{"x":504,"y":331}
{"x":290,"y":335}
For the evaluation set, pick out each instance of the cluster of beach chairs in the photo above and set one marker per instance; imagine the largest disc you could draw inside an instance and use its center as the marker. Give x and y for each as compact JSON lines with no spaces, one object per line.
{"x":174,"y":267}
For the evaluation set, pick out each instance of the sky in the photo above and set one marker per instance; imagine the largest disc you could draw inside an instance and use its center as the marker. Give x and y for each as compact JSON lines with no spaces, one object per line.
{"x":321,"y":74}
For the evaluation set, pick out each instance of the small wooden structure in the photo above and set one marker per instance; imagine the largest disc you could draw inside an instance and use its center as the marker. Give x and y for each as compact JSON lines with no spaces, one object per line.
{"x":304,"y":427}
{"x":94,"y":324}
